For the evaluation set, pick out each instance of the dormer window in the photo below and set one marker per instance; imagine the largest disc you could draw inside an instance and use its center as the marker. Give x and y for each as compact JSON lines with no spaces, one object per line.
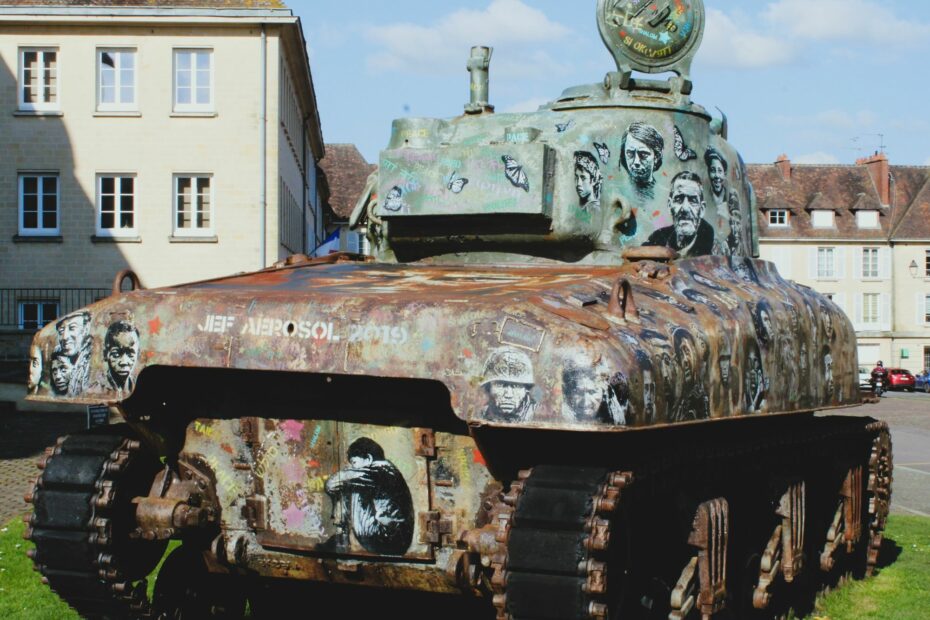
{"x":778,"y":217}
{"x":822,"y":218}
{"x":867,"y":219}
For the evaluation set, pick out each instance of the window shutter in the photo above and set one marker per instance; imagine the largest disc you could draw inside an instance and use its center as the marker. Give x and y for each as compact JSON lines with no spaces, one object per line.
{"x":784,"y":263}
{"x":921,"y":299}
{"x":886,"y":312}
{"x":884,"y":263}
{"x":858,"y":318}
{"x":840,"y":263}
{"x":858,"y":254}
{"x":812,"y":263}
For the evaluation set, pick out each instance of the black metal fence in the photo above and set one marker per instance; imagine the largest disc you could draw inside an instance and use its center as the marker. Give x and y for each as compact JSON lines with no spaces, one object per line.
{"x":46,"y":301}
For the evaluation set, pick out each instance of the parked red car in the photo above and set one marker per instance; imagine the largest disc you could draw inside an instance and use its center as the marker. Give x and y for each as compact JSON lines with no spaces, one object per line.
{"x":900,"y":379}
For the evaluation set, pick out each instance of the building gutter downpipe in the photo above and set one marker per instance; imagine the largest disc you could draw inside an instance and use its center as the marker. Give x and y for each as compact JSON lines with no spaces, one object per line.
{"x":262,"y":148}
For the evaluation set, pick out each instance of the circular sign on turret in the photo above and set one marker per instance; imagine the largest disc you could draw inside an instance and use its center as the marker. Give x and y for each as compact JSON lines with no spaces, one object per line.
{"x":652,"y":36}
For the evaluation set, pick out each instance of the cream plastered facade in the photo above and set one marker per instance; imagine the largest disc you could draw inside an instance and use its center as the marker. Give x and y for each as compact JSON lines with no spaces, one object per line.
{"x":899,"y":334}
{"x":153,"y":142}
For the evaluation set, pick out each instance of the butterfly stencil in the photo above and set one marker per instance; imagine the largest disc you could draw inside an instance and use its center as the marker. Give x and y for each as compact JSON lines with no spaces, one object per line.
{"x":681,"y":149}
{"x":515,"y":173}
{"x":563,"y":127}
{"x":456,"y":185}
{"x":603,"y":152}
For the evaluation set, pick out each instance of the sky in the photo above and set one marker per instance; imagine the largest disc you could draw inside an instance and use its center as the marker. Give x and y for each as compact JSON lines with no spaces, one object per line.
{"x":824,"y":81}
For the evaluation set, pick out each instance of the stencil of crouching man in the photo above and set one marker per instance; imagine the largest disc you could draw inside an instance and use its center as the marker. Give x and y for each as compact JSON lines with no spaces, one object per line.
{"x":689,"y":235}
{"x":374,"y":500}
{"x":120,"y":351}
{"x":508,"y":381}
{"x":75,"y":343}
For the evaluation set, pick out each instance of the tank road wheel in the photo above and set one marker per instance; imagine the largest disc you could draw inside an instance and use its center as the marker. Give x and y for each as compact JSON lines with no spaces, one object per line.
{"x":881,"y":465}
{"x":564,"y":556}
{"x":784,"y":553}
{"x":703,"y":582}
{"x":185,"y":590}
{"x":83,"y":517}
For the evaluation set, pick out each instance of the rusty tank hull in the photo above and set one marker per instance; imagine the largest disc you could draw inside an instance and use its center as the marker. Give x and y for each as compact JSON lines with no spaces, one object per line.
{"x":562,"y":386}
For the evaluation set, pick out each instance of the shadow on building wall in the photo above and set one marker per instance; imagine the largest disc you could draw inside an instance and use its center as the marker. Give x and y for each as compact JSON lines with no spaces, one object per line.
{"x":45,"y":273}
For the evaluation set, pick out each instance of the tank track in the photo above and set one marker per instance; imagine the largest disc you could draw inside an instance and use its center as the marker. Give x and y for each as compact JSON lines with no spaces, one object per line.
{"x":82,"y":513}
{"x":557,"y":525}
{"x":561,"y":527}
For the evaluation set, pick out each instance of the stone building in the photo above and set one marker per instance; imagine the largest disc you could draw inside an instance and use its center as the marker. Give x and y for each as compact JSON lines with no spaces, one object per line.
{"x":861,"y":235}
{"x":177,"y":139}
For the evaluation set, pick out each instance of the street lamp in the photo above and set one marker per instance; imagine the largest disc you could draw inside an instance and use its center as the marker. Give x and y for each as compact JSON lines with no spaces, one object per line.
{"x":913,"y":268}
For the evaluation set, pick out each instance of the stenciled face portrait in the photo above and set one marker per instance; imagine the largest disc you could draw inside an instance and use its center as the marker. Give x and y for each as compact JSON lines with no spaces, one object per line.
{"x":72,"y":331}
{"x":586,"y":396}
{"x":588,"y":179}
{"x":686,"y":203}
{"x":35,"y":369}
{"x":60,"y":373}
{"x":641,"y":154}
{"x":394,"y":201}
{"x":717,"y":172}
{"x":507,"y":397}
{"x":649,"y":395}
{"x":121,"y":349}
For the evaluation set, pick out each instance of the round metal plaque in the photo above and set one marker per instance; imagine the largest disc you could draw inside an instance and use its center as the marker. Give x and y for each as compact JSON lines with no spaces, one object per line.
{"x":652,"y":35}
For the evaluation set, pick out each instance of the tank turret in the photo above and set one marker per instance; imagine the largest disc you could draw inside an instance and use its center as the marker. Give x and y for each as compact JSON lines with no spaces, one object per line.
{"x":606,"y":168}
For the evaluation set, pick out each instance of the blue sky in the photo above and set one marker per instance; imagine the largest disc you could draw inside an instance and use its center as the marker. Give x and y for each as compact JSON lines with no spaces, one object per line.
{"x":816,"y":79}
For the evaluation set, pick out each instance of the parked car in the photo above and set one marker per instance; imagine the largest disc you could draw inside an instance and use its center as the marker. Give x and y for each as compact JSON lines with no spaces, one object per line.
{"x":900,"y":379}
{"x":922,"y":381}
{"x":865,"y":378}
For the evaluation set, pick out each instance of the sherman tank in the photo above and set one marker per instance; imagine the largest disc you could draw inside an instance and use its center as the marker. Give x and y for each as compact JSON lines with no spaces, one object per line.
{"x":560,"y":385}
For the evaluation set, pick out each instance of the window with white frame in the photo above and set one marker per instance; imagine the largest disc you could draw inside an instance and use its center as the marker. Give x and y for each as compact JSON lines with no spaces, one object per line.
{"x":116,"y":205}
{"x":193,"y":205}
{"x":778,"y":217}
{"x":867,"y":219}
{"x":871,"y":308}
{"x":193,"y":80}
{"x":870,"y":268}
{"x":826,"y":262}
{"x":38,"y":78}
{"x":822,"y":218}
{"x":34,"y":315}
{"x":38,"y":204}
{"x":927,"y":309}
{"x":116,"y":79}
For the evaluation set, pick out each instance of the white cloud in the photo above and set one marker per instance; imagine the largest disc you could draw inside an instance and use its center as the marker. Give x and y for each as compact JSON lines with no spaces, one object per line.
{"x":927,"y":163}
{"x":815,"y":158}
{"x":444,"y":45}
{"x":527,"y":105}
{"x":731,"y":44}
{"x":856,"y":21}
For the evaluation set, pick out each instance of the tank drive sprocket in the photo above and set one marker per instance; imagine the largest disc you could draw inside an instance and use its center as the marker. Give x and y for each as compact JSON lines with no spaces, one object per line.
{"x":82,"y":521}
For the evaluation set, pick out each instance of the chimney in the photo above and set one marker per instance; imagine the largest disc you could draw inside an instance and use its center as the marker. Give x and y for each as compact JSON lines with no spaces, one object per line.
{"x":880,"y":172}
{"x":784,"y":166}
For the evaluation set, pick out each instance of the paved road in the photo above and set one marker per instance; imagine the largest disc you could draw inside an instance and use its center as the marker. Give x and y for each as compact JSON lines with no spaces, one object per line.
{"x":908,"y":415}
{"x":23,"y":437}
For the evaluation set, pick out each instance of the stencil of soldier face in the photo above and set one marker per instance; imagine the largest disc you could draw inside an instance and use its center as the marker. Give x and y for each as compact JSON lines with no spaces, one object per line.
{"x":828,"y":325}
{"x":649,"y":394}
{"x":754,"y":372}
{"x":687,"y":355}
{"x":35,"y":369}
{"x":686,"y":202}
{"x":718,"y":176}
{"x":61,"y":374}
{"x":586,"y":398}
{"x":766,"y":321}
{"x":640,"y":161}
{"x":71,"y":334}
{"x":122,"y":354}
{"x":506,"y":396}
{"x":736,"y":221}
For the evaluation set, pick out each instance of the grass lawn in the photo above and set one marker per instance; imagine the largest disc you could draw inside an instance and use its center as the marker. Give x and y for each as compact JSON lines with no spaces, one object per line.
{"x":900,"y":591}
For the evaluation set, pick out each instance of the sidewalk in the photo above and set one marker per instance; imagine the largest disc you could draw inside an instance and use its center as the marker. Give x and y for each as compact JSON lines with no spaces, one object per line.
{"x":24,"y":435}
